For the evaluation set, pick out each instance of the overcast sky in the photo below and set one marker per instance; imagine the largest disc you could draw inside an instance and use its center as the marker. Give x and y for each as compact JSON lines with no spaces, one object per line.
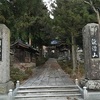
{"x":48,"y":3}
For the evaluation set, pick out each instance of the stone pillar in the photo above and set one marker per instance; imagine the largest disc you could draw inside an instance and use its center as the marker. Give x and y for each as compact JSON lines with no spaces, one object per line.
{"x":5,"y":83}
{"x":91,"y":46}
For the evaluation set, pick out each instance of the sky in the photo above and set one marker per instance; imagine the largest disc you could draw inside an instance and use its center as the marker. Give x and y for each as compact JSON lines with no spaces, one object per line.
{"x":48,"y":3}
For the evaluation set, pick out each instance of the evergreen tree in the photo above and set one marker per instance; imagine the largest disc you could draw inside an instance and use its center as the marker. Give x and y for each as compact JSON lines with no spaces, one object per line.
{"x":26,"y":19}
{"x":70,"y":17}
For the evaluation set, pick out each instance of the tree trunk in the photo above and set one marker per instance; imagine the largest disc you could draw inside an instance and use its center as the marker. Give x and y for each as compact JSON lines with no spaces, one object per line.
{"x":73,"y":55}
{"x":98,"y":17}
{"x":30,"y":40}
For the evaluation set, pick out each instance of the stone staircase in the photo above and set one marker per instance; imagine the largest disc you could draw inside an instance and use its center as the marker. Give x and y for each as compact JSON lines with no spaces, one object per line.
{"x":42,"y":92}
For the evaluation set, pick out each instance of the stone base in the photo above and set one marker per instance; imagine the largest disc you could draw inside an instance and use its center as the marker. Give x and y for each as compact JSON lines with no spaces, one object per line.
{"x":91,"y":84}
{"x":93,"y":95}
{"x":4,"y":87}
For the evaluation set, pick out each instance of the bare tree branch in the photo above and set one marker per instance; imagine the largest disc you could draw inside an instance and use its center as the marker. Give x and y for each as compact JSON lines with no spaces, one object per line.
{"x":95,"y":10}
{"x":87,"y":2}
{"x":91,"y":4}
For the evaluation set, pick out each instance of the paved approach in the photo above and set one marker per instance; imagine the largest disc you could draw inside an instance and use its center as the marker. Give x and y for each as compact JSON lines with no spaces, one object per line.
{"x":50,"y":74}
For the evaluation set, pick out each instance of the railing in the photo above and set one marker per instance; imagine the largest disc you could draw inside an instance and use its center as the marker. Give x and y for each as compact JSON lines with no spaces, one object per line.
{"x":12,"y":93}
{"x":83,"y":90}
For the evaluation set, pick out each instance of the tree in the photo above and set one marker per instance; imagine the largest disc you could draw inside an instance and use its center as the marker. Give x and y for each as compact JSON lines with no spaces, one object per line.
{"x":70,"y":16}
{"x":25,"y":19}
{"x":95,"y":7}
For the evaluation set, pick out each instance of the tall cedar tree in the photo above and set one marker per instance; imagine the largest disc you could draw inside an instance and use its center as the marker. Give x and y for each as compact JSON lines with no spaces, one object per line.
{"x":26,"y":19}
{"x":70,"y":16}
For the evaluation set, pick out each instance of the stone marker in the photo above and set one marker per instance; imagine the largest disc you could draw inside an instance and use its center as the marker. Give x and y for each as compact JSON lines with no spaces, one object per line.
{"x":5,"y":83}
{"x":91,"y":46}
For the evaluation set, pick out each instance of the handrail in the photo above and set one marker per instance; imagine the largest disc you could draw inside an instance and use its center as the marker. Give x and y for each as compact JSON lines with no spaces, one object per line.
{"x":83,"y":91}
{"x":12,"y":93}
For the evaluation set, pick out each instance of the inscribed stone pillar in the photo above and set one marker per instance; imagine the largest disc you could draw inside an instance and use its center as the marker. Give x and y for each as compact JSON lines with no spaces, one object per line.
{"x":5,"y":83}
{"x":91,"y":46}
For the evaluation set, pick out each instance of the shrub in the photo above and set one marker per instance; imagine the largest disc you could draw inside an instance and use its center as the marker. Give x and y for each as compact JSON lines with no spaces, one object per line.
{"x":28,"y":71}
{"x":41,"y":61}
{"x":17,"y":74}
{"x":68,"y":68}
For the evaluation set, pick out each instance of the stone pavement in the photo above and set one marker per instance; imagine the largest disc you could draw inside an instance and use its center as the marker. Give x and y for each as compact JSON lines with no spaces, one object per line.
{"x":51,"y":75}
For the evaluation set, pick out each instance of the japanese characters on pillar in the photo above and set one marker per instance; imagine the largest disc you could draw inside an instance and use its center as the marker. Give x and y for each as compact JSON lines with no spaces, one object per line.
{"x":94,"y":42}
{"x":94,"y":48}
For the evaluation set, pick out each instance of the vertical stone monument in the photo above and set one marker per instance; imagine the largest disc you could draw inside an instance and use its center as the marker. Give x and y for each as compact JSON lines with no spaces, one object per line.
{"x":91,"y":46}
{"x":5,"y":83}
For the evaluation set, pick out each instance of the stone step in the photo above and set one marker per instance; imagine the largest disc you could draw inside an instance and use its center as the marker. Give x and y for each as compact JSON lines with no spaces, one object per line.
{"x":46,"y":90}
{"x":47,"y":95}
{"x":33,"y":87}
{"x":51,"y":98}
